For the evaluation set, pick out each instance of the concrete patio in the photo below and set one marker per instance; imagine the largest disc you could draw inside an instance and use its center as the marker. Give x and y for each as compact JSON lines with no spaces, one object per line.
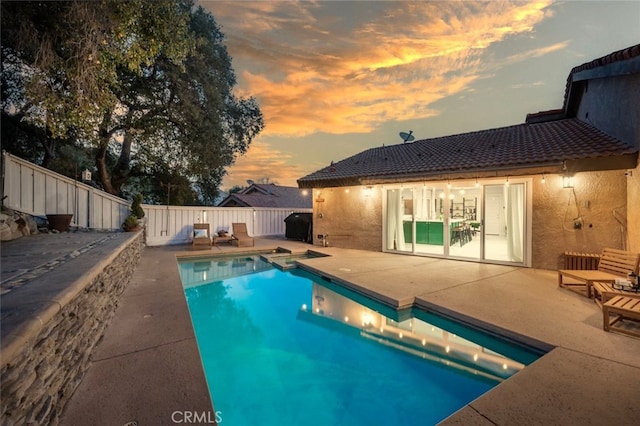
{"x":147,"y":368}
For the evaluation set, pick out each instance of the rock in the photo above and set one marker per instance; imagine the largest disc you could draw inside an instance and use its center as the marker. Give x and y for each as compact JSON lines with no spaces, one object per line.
{"x":5,"y":232}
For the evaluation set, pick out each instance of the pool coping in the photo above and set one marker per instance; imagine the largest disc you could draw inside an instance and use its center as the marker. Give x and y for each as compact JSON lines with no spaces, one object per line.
{"x":587,"y":378}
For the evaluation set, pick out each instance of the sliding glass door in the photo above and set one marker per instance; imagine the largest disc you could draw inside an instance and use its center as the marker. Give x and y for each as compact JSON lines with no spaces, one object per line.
{"x":466,"y":220}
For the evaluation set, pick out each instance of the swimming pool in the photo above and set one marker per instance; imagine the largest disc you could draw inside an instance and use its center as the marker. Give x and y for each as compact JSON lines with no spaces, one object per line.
{"x":289,"y":348}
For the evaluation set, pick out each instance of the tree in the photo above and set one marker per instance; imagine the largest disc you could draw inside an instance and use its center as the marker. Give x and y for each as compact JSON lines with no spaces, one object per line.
{"x":145,"y":86}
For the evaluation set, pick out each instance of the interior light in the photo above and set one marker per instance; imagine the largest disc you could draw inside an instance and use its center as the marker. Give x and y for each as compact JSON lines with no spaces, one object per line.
{"x":452,"y":196}
{"x":424,"y":342}
{"x":447,"y":349}
{"x":475,"y":357}
{"x":441,"y":195}
{"x":543,"y":178}
{"x":346,"y":319}
{"x":400,"y":335}
{"x":462,"y":192}
{"x":304,"y":306}
{"x":506,"y":183}
{"x":504,"y":366}
{"x":346,"y":190}
{"x":305,"y":192}
{"x":477,"y":184}
{"x":449,"y":184}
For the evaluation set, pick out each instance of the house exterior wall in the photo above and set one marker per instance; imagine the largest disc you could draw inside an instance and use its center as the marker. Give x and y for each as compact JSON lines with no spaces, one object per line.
{"x":633,"y":210}
{"x":613,"y":106}
{"x":350,"y":219}
{"x":355,"y":220}
{"x":599,"y":198}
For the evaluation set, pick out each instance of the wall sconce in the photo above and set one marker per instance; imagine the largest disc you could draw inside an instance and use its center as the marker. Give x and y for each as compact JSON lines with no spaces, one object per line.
{"x":368,"y":191}
{"x":86,"y":175}
{"x":567,"y":181}
{"x":543,"y":178}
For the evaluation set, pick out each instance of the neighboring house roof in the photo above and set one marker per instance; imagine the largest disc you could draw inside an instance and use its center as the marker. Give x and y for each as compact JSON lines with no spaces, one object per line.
{"x":548,"y":141}
{"x":268,"y":195}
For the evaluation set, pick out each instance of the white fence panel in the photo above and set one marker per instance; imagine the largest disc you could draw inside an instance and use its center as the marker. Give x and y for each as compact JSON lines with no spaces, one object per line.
{"x":37,"y":191}
{"x":174,"y":224}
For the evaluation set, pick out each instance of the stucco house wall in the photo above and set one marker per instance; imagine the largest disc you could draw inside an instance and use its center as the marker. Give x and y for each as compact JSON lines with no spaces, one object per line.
{"x":352,"y":219}
{"x":350,"y":216}
{"x":597,"y":197}
{"x":633,"y":210}
{"x":613,"y":106}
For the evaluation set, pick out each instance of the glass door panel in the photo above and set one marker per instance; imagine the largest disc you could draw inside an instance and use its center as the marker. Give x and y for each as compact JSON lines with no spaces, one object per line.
{"x":400,"y":227}
{"x":465,"y":220}
{"x":504,"y":222}
{"x":429,"y":218}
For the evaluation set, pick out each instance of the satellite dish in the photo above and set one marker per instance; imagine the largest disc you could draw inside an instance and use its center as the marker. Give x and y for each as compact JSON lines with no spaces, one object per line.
{"x":407,"y":137}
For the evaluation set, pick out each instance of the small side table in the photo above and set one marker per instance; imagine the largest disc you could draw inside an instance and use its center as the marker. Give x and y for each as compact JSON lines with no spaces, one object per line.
{"x":606,"y":292}
{"x":219,"y":240}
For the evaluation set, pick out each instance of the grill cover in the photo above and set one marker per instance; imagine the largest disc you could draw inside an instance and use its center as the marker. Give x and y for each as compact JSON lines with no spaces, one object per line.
{"x":299,"y":226}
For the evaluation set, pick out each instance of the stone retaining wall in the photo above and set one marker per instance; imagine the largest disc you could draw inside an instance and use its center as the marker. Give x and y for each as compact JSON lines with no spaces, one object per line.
{"x":39,"y":382}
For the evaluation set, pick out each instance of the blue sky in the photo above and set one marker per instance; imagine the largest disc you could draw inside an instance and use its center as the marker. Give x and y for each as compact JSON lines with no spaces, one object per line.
{"x":334,"y":78}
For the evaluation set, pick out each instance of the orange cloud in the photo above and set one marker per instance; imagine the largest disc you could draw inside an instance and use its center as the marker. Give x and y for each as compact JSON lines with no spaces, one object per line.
{"x":333,"y":76}
{"x":262,"y":160}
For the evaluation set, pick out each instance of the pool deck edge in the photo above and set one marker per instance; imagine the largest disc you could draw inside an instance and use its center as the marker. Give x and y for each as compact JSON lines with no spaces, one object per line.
{"x":588,"y":378}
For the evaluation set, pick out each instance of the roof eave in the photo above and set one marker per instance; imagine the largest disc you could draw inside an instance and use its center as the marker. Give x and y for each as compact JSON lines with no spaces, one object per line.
{"x":611,"y":162}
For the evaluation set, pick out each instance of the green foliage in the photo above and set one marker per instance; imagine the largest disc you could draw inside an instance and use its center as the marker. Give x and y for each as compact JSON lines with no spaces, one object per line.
{"x":144,"y":88}
{"x":131,"y":222}
{"x":136,"y":208}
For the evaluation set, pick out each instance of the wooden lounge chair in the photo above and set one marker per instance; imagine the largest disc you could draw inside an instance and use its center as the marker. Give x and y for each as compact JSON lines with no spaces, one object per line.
{"x":201,"y":235}
{"x":240,"y":236}
{"x":613,"y":264}
{"x":622,"y":307}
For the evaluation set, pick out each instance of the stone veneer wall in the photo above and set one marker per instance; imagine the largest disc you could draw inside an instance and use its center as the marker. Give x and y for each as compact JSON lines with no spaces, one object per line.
{"x":39,"y":382}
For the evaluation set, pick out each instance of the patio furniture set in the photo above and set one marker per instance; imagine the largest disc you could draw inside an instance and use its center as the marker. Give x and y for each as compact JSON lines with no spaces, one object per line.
{"x":614,"y":286}
{"x":202,"y":237}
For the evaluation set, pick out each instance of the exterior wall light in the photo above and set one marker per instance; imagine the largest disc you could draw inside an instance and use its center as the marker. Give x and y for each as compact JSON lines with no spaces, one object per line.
{"x":567,"y":181}
{"x":368,"y":191}
{"x":86,"y":175}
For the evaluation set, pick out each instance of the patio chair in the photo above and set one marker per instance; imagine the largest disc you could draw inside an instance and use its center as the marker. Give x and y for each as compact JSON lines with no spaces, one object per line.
{"x":613,"y":264}
{"x":240,"y":237}
{"x":201,"y":235}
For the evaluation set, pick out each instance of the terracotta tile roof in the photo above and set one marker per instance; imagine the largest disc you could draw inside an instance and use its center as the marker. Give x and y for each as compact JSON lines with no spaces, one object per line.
{"x":523,"y":146}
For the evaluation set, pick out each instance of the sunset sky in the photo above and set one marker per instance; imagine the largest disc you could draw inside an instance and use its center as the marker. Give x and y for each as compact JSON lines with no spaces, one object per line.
{"x":334,"y":78}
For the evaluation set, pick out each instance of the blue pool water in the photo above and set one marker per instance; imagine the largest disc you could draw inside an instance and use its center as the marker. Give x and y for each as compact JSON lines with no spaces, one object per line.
{"x":289,"y":348}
